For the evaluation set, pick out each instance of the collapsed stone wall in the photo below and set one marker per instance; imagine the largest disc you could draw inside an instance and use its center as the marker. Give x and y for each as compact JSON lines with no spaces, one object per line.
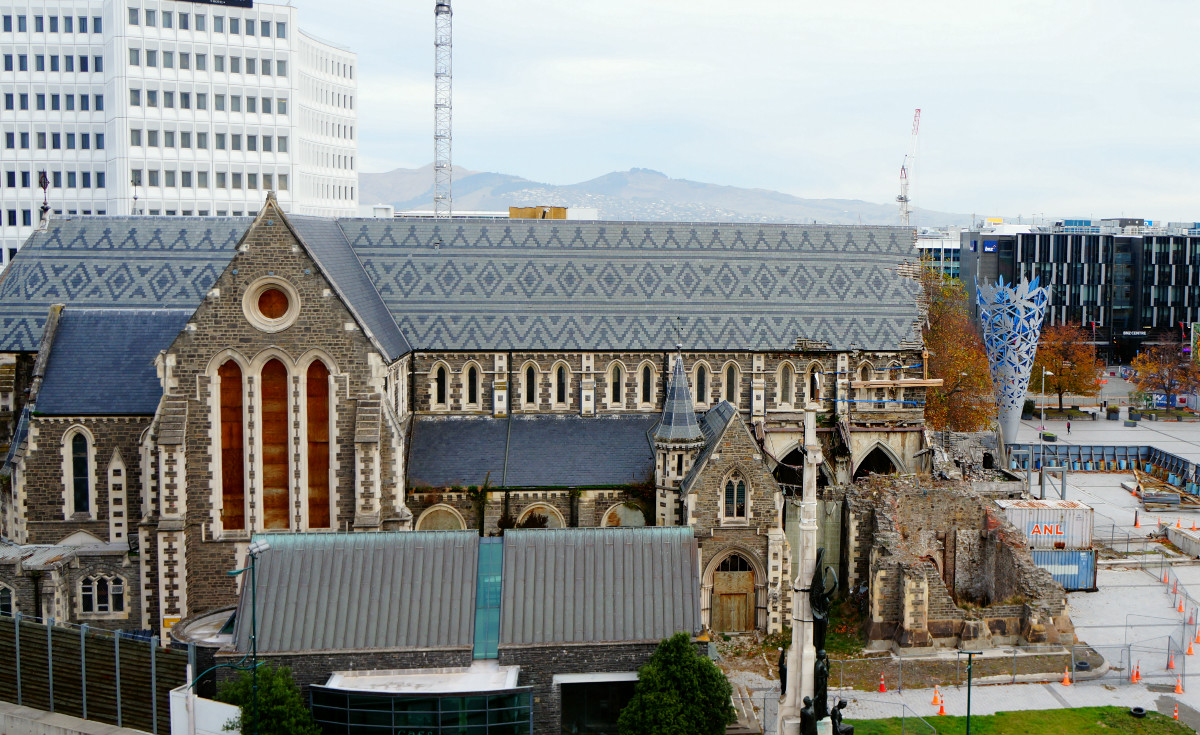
{"x":945,"y":568}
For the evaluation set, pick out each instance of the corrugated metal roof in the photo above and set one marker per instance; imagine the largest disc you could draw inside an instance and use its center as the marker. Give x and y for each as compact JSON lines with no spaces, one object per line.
{"x":48,"y":556}
{"x":326,"y":591}
{"x":581,"y":585}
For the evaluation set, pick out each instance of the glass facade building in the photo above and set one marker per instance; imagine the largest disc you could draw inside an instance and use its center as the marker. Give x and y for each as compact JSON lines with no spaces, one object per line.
{"x":345,"y":712}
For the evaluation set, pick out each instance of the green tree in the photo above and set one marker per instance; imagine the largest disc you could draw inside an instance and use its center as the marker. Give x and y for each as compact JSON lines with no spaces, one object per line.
{"x":679,"y":692}
{"x":281,"y":711}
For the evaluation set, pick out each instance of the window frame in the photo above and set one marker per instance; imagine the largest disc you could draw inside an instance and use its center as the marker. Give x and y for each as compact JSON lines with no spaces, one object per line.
{"x":70,"y":491}
{"x":731,"y":483}
{"x":88,"y":589}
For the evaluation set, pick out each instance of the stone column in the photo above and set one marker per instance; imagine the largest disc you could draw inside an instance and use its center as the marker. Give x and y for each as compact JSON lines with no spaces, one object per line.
{"x":803,"y":655}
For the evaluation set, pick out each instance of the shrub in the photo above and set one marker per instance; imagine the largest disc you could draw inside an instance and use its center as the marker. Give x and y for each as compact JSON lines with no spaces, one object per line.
{"x":281,"y":711}
{"x":679,"y":692}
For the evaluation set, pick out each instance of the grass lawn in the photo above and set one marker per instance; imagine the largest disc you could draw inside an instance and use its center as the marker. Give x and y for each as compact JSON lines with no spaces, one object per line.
{"x":1081,"y":721}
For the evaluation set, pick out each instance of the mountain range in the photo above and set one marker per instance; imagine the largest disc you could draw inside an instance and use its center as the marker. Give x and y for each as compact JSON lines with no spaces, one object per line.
{"x":636,"y":194}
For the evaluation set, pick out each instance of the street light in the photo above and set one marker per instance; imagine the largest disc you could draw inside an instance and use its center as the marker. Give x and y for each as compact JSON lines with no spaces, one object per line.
{"x":970,"y":663}
{"x":1042,"y":430}
{"x":257,"y":547}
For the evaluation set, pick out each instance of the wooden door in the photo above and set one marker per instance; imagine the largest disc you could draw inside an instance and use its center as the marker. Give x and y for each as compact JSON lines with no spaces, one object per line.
{"x":733,"y":601}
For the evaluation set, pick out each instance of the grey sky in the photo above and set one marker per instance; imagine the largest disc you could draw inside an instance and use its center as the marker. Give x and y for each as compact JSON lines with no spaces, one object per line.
{"x":1062,"y":108}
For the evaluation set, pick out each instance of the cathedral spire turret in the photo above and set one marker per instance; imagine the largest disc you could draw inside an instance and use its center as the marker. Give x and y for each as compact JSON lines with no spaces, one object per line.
{"x":678,"y":424}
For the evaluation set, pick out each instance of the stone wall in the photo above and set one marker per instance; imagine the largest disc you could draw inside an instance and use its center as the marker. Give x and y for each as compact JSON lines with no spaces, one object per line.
{"x":946,"y":568}
{"x":44,"y":504}
{"x":539,"y":664}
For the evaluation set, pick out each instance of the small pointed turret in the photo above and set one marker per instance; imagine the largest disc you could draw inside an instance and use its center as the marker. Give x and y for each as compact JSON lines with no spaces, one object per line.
{"x":678,"y":424}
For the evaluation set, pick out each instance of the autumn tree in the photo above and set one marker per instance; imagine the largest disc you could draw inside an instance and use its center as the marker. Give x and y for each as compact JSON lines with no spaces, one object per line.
{"x":1166,"y":369}
{"x":965,"y":400}
{"x":1067,"y":352}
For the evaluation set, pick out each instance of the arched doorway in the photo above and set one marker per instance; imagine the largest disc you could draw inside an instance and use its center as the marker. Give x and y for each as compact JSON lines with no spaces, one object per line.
{"x":878,"y":462}
{"x":733,"y":595}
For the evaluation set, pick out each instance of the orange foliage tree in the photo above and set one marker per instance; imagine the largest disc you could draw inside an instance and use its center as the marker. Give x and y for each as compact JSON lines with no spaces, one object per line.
{"x":1166,"y":369}
{"x":965,"y":401}
{"x":1065,"y":350}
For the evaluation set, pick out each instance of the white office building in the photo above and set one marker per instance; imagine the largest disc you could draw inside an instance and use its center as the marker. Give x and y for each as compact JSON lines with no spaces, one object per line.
{"x":170,"y":107}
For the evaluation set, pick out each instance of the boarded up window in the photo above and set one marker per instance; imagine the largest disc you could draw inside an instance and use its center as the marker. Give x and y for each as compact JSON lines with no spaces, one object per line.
{"x":275,"y":445}
{"x":233,"y":450}
{"x":318,"y":445}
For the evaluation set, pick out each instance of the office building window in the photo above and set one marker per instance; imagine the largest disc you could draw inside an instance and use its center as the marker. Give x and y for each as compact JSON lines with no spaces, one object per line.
{"x":133,"y":16}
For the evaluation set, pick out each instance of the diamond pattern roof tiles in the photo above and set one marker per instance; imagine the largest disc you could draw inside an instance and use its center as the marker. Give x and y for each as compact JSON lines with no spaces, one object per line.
{"x":508,"y":284}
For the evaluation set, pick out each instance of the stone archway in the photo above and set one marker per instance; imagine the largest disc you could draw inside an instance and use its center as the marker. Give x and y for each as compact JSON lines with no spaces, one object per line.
{"x":790,"y":470}
{"x":880,"y":461}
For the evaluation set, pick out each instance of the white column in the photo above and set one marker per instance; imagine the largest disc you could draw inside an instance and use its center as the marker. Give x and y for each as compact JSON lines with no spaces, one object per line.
{"x":803,"y":655}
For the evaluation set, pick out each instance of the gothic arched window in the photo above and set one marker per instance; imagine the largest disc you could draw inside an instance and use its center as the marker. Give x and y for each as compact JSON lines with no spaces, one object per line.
{"x":731,"y":384}
{"x":560,"y":387}
{"x":701,"y":384}
{"x":100,"y":594}
{"x":735,"y":497}
{"x":275,"y":445}
{"x":647,"y":383}
{"x":530,"y":386}
{"x":440,"y":386}
{"x":318,"y":445}
{"x":233,"y":451}
{"x":615,"y":383}
{"x":472,"y":385}
{"x":80,"y":474}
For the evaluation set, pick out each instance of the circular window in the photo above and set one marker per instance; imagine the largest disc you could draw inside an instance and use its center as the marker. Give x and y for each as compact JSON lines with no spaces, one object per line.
{"x":271,"y":304}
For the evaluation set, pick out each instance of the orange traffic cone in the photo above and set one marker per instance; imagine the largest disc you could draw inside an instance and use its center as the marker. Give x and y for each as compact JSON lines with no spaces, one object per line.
{"x":1066,"y":677}
{"x":1190,"y":652}
{"x":1178,"y":523}
{"x":942,"y":709}
{"x":1178,"y":687}
{"x":1136,"y":522}
{"x":1180,"y":605}
{"x":1176,"y":715}
{"x":1134,"y":676}
{"x":937,"y":698}
{"x":1198,"y":635}
{"x":1171,"y":663}
{"x":1194,"y":525}
{"x":1137,"y":672}
{"x":882,"y":686}
{"x":1165,"y":580}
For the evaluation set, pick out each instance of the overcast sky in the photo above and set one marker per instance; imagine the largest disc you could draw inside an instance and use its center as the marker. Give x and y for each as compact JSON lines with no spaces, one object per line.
{"x":1027,"y":108}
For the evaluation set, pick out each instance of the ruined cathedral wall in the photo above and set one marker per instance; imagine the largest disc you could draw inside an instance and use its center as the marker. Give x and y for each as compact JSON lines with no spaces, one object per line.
{"x":46,"y":477}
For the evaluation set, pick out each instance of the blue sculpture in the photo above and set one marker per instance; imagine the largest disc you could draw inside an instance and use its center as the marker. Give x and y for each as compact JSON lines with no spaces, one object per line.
{"x":1011,"y":316}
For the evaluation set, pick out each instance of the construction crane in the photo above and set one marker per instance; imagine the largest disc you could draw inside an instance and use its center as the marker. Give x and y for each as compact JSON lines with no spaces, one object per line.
{"x":443,"y":174}
{"x":905,"y":169}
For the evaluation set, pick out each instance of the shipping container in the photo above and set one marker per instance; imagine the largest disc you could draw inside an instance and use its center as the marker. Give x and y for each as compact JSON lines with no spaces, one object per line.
{"x":1074,"y":569}
{"x":1051,"y":524}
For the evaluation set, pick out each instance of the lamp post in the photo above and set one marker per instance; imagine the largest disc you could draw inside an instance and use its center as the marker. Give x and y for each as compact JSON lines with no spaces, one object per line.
{"x":970,"y":663}
{"x":257,"y":547}
{"x":1042,"y":430}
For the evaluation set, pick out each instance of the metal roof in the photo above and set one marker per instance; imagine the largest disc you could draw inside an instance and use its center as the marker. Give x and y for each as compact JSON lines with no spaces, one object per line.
{"x":508,"y":284}
{"x":531,"y":451}
{"x":339,"y":591}
{"x":102,"y":361}
{"x":1035,"y":503}
{"x":579,"y":585}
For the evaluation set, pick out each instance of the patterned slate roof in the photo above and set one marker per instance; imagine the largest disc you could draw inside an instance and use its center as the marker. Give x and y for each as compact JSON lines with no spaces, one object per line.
{"x":332,"y":251}
{"x":102,"y":361}
{"x":322,"y":591}
{"x":509,"y":284}
{"x":579,"y":585}
{"x":539,"y":284}
{"x":151,"y":262}
{"x":535,"y":451}
{"x":678,"y":422}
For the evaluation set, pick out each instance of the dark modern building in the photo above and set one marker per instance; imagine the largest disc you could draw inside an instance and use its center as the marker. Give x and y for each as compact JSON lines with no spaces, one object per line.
{"x":1132,"y":282}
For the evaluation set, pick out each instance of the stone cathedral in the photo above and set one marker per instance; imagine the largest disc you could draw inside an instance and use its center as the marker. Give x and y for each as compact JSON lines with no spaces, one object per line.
{"x":173,"y":386}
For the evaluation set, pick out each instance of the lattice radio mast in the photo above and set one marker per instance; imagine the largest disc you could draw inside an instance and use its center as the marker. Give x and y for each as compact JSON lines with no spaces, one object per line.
{"x":443,"y":200}
{"x":905,"y":168}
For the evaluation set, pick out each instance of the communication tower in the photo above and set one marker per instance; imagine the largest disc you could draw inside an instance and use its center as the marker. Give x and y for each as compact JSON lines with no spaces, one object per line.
{"x":443,"y":200}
